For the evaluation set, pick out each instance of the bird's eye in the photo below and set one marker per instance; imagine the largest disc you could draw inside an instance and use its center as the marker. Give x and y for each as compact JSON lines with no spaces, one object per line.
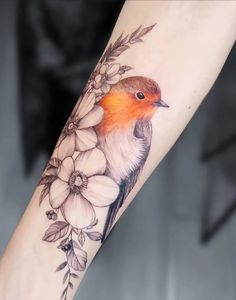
{"x":140,"y":95}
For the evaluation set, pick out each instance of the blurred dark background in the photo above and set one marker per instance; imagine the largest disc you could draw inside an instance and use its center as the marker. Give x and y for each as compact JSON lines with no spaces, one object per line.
{"x":183,"y":244}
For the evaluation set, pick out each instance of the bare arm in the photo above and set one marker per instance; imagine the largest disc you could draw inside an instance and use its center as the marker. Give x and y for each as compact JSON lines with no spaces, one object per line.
{"x":144,"y":90}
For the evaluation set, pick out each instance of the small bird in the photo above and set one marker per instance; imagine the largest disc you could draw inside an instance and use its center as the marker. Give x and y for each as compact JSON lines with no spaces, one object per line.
{"x":125,"y":132}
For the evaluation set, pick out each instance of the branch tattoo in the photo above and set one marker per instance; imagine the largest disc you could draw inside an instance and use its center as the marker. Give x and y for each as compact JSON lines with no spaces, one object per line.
{"x":99,"y":155}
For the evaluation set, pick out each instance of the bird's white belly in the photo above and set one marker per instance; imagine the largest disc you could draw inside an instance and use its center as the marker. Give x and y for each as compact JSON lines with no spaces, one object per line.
{"x":123,"y":152}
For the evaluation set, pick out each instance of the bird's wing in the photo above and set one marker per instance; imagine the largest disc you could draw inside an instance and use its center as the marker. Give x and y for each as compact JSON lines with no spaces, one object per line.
{"x":143,"y":131}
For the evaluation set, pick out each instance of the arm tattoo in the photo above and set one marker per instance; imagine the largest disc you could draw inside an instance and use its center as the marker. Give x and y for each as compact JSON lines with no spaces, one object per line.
{"x":99,"y":155}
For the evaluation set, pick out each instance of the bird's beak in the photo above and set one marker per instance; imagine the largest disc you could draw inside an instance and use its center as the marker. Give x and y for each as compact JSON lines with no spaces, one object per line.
{"x":161,"y":103}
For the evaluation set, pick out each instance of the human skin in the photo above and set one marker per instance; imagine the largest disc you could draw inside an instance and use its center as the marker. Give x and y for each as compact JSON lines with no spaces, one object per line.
{"x":184,"y":53}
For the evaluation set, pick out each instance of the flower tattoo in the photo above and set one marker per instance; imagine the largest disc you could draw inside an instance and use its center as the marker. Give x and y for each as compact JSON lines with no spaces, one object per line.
{"x":78,"y":188}
{"x":78,"y":133}
{"x":107,"y":75}
{"x":98,"y":157}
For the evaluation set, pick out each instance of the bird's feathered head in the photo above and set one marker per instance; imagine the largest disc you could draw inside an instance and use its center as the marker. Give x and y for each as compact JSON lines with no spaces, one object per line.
{"x":131,"y":99}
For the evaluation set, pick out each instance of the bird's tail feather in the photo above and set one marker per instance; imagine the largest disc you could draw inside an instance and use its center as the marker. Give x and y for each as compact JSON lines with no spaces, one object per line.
{"x":112,"y":212}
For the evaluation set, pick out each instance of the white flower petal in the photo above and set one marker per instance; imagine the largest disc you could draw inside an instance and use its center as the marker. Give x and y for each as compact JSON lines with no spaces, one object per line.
{"x":99,"y":96}
{"x":91,"y":162}
{"x":60,"y":139}
{"x":85,"y":139}
{"x":66,"y":168}
{"x":59,"y":190}
{"x":101,"y":190}
{"x":92,"y":118}
{"x":103,"y":68}
{"x":114,"y":79}
{"x":85,"y":105}
{"x":105,"y":88}
{"x":113,"y":69}
{"x":97,"y":85}
{"x":66,"y":147}
{"x":77,"y":211}
{"x":98,"y":78}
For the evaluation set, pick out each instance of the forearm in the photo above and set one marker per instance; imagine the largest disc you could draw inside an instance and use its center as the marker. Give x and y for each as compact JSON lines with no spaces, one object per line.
{"x":183,"y":53}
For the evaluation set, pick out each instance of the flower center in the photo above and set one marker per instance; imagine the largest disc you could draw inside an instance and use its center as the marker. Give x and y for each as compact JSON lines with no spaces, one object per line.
{"x":71,"y":125}
{"x":77,"y":182}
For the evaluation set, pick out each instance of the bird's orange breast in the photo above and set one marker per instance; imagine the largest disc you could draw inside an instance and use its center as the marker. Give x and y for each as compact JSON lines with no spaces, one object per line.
{"x":121,"y":110}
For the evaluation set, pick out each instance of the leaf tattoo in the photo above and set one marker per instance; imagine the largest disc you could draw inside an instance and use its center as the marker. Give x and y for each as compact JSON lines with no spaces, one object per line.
{"x":61,"y":266}
{"x":69,"y":184}
{"x":76,"y":257}
{"x":81,"y":238}
{"x":124,"y":43}
{"x":56,"y":231}
{"x":94,"y":236}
